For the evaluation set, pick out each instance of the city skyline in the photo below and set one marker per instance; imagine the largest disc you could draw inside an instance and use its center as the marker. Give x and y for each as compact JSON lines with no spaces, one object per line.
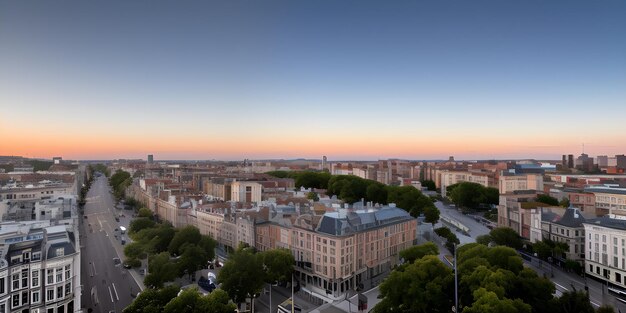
{"x":350,"y":80}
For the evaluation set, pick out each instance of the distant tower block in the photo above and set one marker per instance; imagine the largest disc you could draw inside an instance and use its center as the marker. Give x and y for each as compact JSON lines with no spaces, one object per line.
{"x":150,"y":158}
{"x":324,"y":160}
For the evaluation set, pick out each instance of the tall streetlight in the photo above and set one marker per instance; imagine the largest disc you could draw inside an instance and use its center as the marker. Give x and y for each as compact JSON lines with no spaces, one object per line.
{"x":456,"y":284}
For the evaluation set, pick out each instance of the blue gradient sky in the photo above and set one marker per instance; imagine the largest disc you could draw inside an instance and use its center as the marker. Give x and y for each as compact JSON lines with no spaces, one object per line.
{"x":348,"y":79}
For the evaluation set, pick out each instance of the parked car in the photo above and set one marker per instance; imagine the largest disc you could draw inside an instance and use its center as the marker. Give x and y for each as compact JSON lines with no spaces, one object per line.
{"x":117,"y":261}
{"x":126,"y":265}
{"x":206,"y":284}
{"x":142,"y":272}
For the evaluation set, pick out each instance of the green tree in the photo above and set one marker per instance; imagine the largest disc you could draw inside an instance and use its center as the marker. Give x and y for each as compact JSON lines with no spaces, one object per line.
{"x":186,"y":302}
{"x":542,"y":249}
{"x":605,"y":309}
{"x":241,"y":275}
{"x":134,"y":250}
{"x":348,"y":193}
{"x":429,"y":184}
{"x":144,"y":212}
{"x":427,"y":285}
{"x":505,"y":258}
{"x":574,"y":301}
{"x":312,"y":196}
{"x":417,"y":252}
{"x":152,"y":300}
{"x":192,"y":258}
{"x":278,"y":174}
{"x":216,"y":302}
{"x":208,"y":245}
{"x":186,"y":235}
{"x":431,"y":214}
{"x":506,"y":236}
{"x":488,"y":302}
{"x":547,"y":199}
{"x":278,"y":265}
{"x":119,"y":181}
{"x":492,"y":195}
{"x":140,"y":223}
{"x":408,"y":198}
{"x":484,"y":239}
{"x":376,"y":192}
{"x":161,"y":270}
{"x":191,"y":301}
{"x":466,"y":194}
{"x":564,"y":203}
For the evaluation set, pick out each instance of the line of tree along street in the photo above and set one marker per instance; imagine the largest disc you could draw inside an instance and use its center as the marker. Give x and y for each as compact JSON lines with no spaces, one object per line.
{"x":351,"y":189}
{"x":173,"y":252}
{"x":490,"y":280}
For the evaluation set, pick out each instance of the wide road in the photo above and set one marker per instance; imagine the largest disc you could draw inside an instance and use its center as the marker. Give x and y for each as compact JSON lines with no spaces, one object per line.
{"x":106,"y":287}
{"x":564,"y":282}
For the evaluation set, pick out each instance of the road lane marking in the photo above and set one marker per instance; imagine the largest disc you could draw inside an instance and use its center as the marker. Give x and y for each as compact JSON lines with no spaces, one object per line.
{"x":597,"y":305}
{"x":94,"y":294}
{"x":561,"y":286}
{"x":111,"y":293}
{"x":93,"y":265}
{"x":114,"y":289}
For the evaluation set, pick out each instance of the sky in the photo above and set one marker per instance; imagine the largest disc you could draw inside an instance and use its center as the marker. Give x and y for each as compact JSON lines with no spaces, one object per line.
{"x":288,"y":79}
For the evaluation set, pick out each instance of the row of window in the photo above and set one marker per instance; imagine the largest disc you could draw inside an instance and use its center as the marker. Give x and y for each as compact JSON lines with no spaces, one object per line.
{"x":21,"y":280}
{"x":20,"y":299}
{"x":56,"y":309}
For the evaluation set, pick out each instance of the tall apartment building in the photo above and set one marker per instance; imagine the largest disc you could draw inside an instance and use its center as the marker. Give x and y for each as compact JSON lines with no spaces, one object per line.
{"x":40,"y":255}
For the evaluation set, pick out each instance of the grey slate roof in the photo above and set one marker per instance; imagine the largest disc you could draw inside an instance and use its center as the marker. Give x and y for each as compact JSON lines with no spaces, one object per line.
{"x":337,"y":224}
{"x":606,"y":221}
{"x":571,"y":218}
{"x":549,"y":217}
{"x":67,"y":246}
{"x":616,"y":191}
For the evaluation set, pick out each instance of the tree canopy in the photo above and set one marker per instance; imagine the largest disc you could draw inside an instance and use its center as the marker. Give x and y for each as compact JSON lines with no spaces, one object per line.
{"x":426,"y":285}
{"x":472,"y":195}
{"x":278,"y":265}
{"x":417,"y":252}
{"x":241,"y":276}
{"x":191,"y":301}
{"x":152,"y":300}
{"x":490,"y":280}
{"x":506,"y":236}
{"x":429,"y":184}
{"x":547,"y":199}
{"x":119,"y":181}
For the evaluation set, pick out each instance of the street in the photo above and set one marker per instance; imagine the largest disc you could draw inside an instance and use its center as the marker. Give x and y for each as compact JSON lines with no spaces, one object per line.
{"x":563,"y":281}
{"x":107,"y":286}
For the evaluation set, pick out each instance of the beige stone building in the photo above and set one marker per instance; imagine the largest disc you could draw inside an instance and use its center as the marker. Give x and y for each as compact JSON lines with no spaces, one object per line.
{"x":246,"y":191}
{"x":340,"y":251}
{"x":509,"y":182}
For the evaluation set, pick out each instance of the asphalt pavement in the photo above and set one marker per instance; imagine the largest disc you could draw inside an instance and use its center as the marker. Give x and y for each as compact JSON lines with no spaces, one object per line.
{"x":106,"y":286}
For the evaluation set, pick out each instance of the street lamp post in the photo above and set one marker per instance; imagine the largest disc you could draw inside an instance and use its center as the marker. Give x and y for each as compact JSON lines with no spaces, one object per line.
{"x":456,"y":284}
